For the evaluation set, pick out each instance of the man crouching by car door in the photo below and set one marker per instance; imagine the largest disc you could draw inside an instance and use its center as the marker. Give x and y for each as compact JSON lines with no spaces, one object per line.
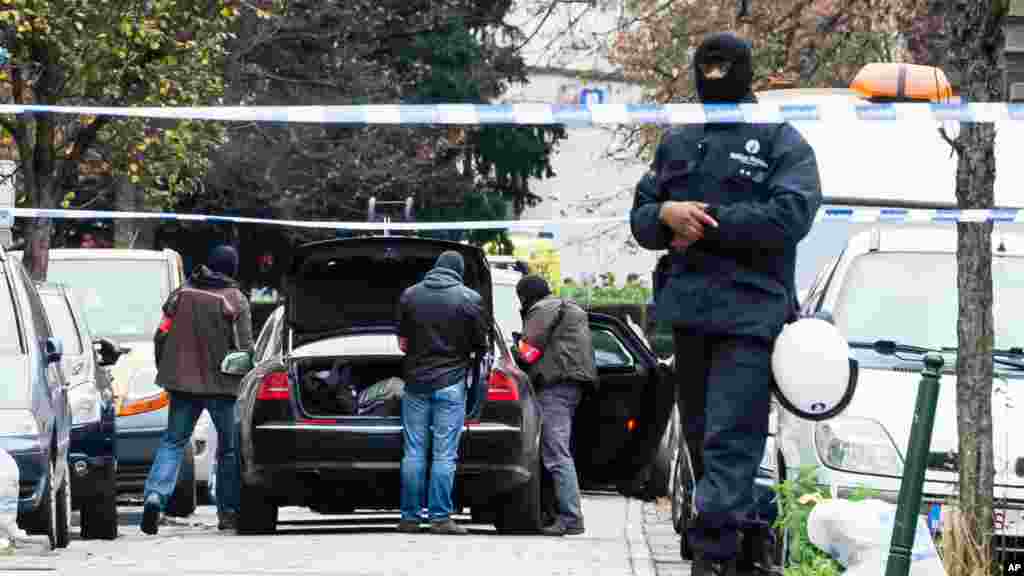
{"x":441,"y":323}
{"x":558,"y":349}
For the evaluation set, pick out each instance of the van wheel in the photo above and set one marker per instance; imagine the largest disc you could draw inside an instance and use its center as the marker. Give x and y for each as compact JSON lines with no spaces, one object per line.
{"x":519,"y":511}
{"x":182,"y":502}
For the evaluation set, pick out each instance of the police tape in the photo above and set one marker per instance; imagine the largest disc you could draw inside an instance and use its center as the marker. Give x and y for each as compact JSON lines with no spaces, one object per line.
{"x":552,"y":114}
{"x":825,"y":214}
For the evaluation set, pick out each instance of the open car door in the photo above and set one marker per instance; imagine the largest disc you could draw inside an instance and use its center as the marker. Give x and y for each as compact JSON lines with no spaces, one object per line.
{"x":619,"y":426}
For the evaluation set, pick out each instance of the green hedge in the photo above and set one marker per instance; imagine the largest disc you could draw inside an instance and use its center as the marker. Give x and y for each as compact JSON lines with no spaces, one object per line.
{"x":606,"y":295}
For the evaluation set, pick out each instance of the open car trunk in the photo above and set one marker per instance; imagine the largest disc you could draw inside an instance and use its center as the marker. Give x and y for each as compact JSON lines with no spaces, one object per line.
{"x":339,"y":387}
{"x":353,"y":286}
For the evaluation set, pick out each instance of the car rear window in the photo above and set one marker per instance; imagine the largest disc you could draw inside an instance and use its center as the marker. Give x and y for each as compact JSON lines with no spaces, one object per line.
{"x":10,"y":334}
{"x":62,"y":322}
{"x":121,"y":299}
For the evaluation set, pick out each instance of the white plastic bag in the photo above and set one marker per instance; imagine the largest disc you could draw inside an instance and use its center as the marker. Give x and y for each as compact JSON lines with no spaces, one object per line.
{"x":9,"y":476}
{"x":858,"y":534}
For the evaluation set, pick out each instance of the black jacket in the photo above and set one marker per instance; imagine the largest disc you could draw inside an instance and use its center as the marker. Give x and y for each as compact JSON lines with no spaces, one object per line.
{"x":762,"y":184}
{"x":444,"y":322}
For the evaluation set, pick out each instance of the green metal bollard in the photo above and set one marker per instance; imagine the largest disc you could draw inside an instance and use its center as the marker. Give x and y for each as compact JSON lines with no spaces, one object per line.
{"x":909,"y":506}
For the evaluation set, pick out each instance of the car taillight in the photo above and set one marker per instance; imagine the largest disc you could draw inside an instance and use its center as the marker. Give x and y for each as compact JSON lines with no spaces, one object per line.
{"x":502,"y":387}
{"x":274,"y":387}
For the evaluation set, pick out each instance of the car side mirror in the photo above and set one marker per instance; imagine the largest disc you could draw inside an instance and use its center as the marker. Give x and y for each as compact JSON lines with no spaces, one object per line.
{"x":54,"y":350}
{"x":108,"y":351}
{"x":237,"y":363}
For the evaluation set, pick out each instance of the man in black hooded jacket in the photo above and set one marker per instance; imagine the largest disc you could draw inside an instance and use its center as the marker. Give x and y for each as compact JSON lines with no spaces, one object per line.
{"x":730,"y":201}
{"x":441,"y":323}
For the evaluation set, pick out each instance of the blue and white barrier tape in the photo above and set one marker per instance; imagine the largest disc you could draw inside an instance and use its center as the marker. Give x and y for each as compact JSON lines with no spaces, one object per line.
{"x":825,"y":214}
{"x":547,"y":114}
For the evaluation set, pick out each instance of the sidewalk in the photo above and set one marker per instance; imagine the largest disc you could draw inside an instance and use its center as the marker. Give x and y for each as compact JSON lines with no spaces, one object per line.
{"x":662,"y":539}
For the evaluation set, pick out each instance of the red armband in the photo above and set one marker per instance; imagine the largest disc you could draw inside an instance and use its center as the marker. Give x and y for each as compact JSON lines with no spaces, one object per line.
{"x":528,"y":353}
{"x":165,"y":323}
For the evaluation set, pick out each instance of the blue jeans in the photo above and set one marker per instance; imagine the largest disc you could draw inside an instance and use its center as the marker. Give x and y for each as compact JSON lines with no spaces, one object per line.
{"x":182,"y":416}
{"x":443,"y":410}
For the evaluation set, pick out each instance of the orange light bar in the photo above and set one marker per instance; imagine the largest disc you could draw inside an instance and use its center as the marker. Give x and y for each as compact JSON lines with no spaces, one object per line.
{"x":143,"y":405}
{"x":891,"y":81}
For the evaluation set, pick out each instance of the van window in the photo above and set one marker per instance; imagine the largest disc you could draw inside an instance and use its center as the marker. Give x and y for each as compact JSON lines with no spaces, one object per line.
{"x":121,"y":299}
{"x":62,"y":322}
{"x":10,"y":336}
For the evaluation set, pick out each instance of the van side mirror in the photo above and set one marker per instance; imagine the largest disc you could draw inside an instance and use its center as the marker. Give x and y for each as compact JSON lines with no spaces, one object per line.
{"x":237,"y":363}
{"x":54,"y":350}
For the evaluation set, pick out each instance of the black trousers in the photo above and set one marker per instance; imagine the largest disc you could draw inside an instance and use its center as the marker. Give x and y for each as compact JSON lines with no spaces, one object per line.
{"x":724,"y":397}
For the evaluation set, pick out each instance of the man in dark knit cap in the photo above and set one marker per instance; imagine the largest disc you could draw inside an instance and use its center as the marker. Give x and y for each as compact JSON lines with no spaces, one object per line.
{"x":441,"y":323}
{"x":203,"y":321}
{"x":557,"y":347}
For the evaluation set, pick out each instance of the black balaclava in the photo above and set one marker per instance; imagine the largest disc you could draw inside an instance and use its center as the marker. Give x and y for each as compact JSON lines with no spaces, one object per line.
{"x":531,"y":289}
{"x":224,"y":260}
{"x":451,"y":260}
{"x":736,"y":85}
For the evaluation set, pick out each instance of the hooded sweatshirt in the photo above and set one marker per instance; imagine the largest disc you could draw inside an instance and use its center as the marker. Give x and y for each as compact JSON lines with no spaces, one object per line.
{"x":443,"y":322}
{"x":203,"y":321}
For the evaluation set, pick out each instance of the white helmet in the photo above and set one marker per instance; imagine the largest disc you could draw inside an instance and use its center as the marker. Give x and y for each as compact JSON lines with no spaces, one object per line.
{"x":815,"y":377}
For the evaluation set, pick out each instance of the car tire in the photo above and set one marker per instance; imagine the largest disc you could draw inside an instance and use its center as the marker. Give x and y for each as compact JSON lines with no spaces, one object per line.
{"x":663,"y":467}
{"x":257,"y":514}
{"x":203,"y":490}
{"x":62,"y":512}
{"x":519,"y":511}
{"x":99,"y":516}
{"x":182,"y":502}
{"x":682,"y":501}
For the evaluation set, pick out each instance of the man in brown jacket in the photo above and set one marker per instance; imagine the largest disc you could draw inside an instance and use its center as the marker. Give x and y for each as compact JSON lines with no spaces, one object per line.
{"x":203,"y":321}
{"x":557,"y":345}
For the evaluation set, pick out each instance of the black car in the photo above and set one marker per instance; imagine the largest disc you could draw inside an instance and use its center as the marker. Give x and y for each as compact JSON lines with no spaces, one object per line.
{"x":93,"y":457}
{"x":35,"y":418}
{"x":303,"y":444}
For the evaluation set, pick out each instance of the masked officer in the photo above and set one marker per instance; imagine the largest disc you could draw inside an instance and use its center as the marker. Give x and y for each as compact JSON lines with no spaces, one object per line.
{"x":730,"y":201}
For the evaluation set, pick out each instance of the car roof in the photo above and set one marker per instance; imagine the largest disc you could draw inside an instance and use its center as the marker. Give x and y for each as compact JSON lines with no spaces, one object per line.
{"x":109,"y":254}
{"x":926,"y":239}
{"x":51,"y":288}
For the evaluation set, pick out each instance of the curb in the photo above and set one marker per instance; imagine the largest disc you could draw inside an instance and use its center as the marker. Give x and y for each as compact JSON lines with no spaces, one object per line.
{"x":641,"y":561}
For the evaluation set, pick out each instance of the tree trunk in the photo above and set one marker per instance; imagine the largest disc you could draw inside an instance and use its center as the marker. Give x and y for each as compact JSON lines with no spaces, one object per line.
{"x":975,"y":31}
{"x":38,"y":233}
{"x":128,"y":198}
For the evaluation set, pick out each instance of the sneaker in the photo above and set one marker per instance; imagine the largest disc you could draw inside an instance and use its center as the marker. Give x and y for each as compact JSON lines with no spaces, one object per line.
{"x":151,"y":515}
{"x":447,"y":526}
{"x":409,"y":526}
{"x":556,"y":528}
{"x":229,"y":521}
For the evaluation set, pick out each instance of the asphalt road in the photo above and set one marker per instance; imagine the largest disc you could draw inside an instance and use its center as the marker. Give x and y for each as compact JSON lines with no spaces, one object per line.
{"x":367,"y":543}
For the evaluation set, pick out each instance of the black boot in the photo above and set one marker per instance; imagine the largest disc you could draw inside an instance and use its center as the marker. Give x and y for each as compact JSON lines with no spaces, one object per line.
{"x":706,"y":567}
